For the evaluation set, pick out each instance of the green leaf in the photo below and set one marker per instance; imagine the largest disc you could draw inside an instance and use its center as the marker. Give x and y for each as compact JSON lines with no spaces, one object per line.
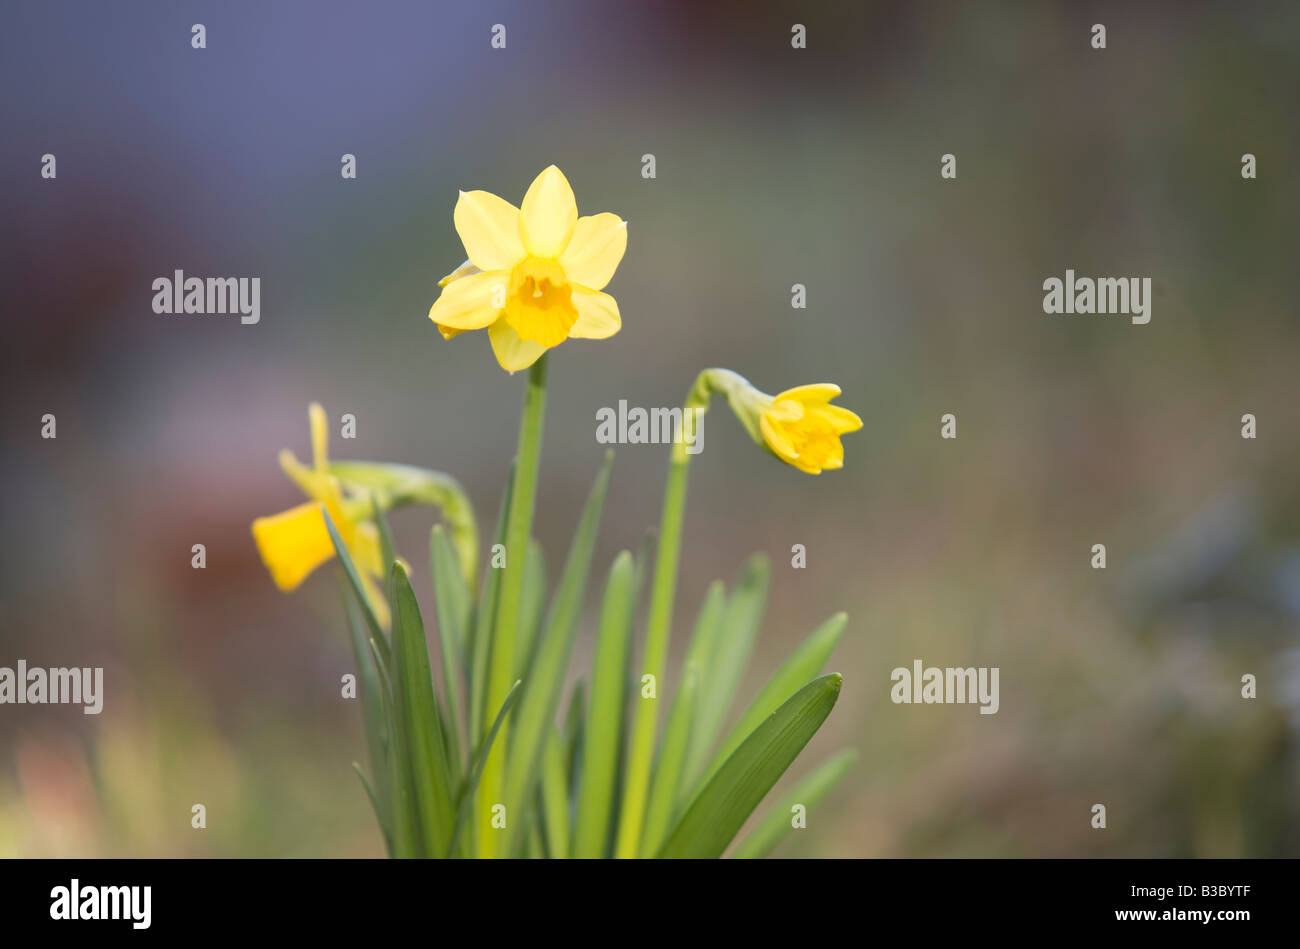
{"x":358,"y":588}
{"x":402,"y":806}
{"x":760,"y":841}
{"x":373,"y":717}
{"x":668,"y":769}
{"x":555,"y":797}
{"x":546,"y":678}
{"x":530,"y":610}
{"x":484,"y":622}
{"x":804,"y":663}
{"x":374,"y":805}
{"x":536,"y":848}
{"x":605,"y":715}
{"x":575,"y":731}
{"x":720,"y":809}
{"x":451,"y":602}
{"x":722,"y":671}
{"x":470,"y":784}
{"x":416,"y":712}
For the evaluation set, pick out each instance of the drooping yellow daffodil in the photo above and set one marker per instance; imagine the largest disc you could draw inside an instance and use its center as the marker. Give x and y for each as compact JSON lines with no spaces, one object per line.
{"x":799,"y":425}
{"x":803,"y":429}
{"x":534,"y":274}
{"x":295,"y":542}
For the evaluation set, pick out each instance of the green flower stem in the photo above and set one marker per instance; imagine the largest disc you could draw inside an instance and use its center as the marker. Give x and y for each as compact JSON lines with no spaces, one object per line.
{"x":399,"y":485}
{"x":659,"y":622}
{"x":501,"y":674}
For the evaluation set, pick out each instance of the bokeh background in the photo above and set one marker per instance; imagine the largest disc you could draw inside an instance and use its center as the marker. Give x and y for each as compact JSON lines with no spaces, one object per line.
{"x":774,"y":166}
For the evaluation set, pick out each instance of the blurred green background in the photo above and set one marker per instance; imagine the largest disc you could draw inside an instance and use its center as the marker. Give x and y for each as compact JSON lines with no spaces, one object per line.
{"x":775,"y":166}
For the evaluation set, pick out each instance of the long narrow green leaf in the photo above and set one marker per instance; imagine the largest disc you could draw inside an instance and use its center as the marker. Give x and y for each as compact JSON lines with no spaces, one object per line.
{"x":451,"y":601}
{"x":760,"y":841}
{"x":466,"y":795}
{"x":668,"y":769}
{"x":354,"y":580}
{"x":374,"y":805}
{"x":484,"y":621}
{"x":704,"y":640}
{"x":575,"y":732}
{"x":417,"y":716}
{"x":536,"y":848}
{"x":555,"y":797}
{"x":546,"y":678}
{"x":804,"y":663}
{"x":402,"y":806}
{"x":372,"y":709}
{"x":605,"y":715}
{"x":725,"y":667}
{"x":721,"y":808}
{"x":530,"y":609}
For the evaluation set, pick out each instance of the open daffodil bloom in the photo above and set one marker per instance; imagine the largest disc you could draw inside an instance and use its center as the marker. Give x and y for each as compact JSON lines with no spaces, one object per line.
{"x":534,"y":274}
{"x":295,"y":542}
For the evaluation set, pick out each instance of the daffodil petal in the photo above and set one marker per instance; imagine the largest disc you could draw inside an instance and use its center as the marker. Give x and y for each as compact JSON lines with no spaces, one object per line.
{"x":786,"y":410}
{"x":813,"y":394}
{"x":293,"y":543}
{"x":594,"y":251}
{"x":777,"y":440}
{"x":489,"y":228}
{"x":448,"y":332}
{"x":549,"y":214}
{"x":598,"y":316}
{"x":841,"y":419}
{"x":467,"y":303}
{"x":512,"y":352}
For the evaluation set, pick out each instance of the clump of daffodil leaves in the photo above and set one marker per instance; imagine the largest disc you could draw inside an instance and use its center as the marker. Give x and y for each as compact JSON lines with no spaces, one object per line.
{"x":493,"y":760}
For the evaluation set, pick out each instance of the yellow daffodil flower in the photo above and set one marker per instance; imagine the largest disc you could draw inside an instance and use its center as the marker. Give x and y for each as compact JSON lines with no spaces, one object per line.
{"x":803,"y":429}
{"x":534,"y":274}
{"x":295,"y":542}
{"x":799,"y":425}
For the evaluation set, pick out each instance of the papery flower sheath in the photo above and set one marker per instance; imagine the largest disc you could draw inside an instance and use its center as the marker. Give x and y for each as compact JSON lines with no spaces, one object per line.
{"x":535,"y":273}
{"x":295,"y":542}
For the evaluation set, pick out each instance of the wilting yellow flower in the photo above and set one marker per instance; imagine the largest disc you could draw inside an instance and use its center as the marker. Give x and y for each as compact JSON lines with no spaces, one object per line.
{"x":803,"y":429}
{"x":534,"y":273}
{"x":295,"y":542}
